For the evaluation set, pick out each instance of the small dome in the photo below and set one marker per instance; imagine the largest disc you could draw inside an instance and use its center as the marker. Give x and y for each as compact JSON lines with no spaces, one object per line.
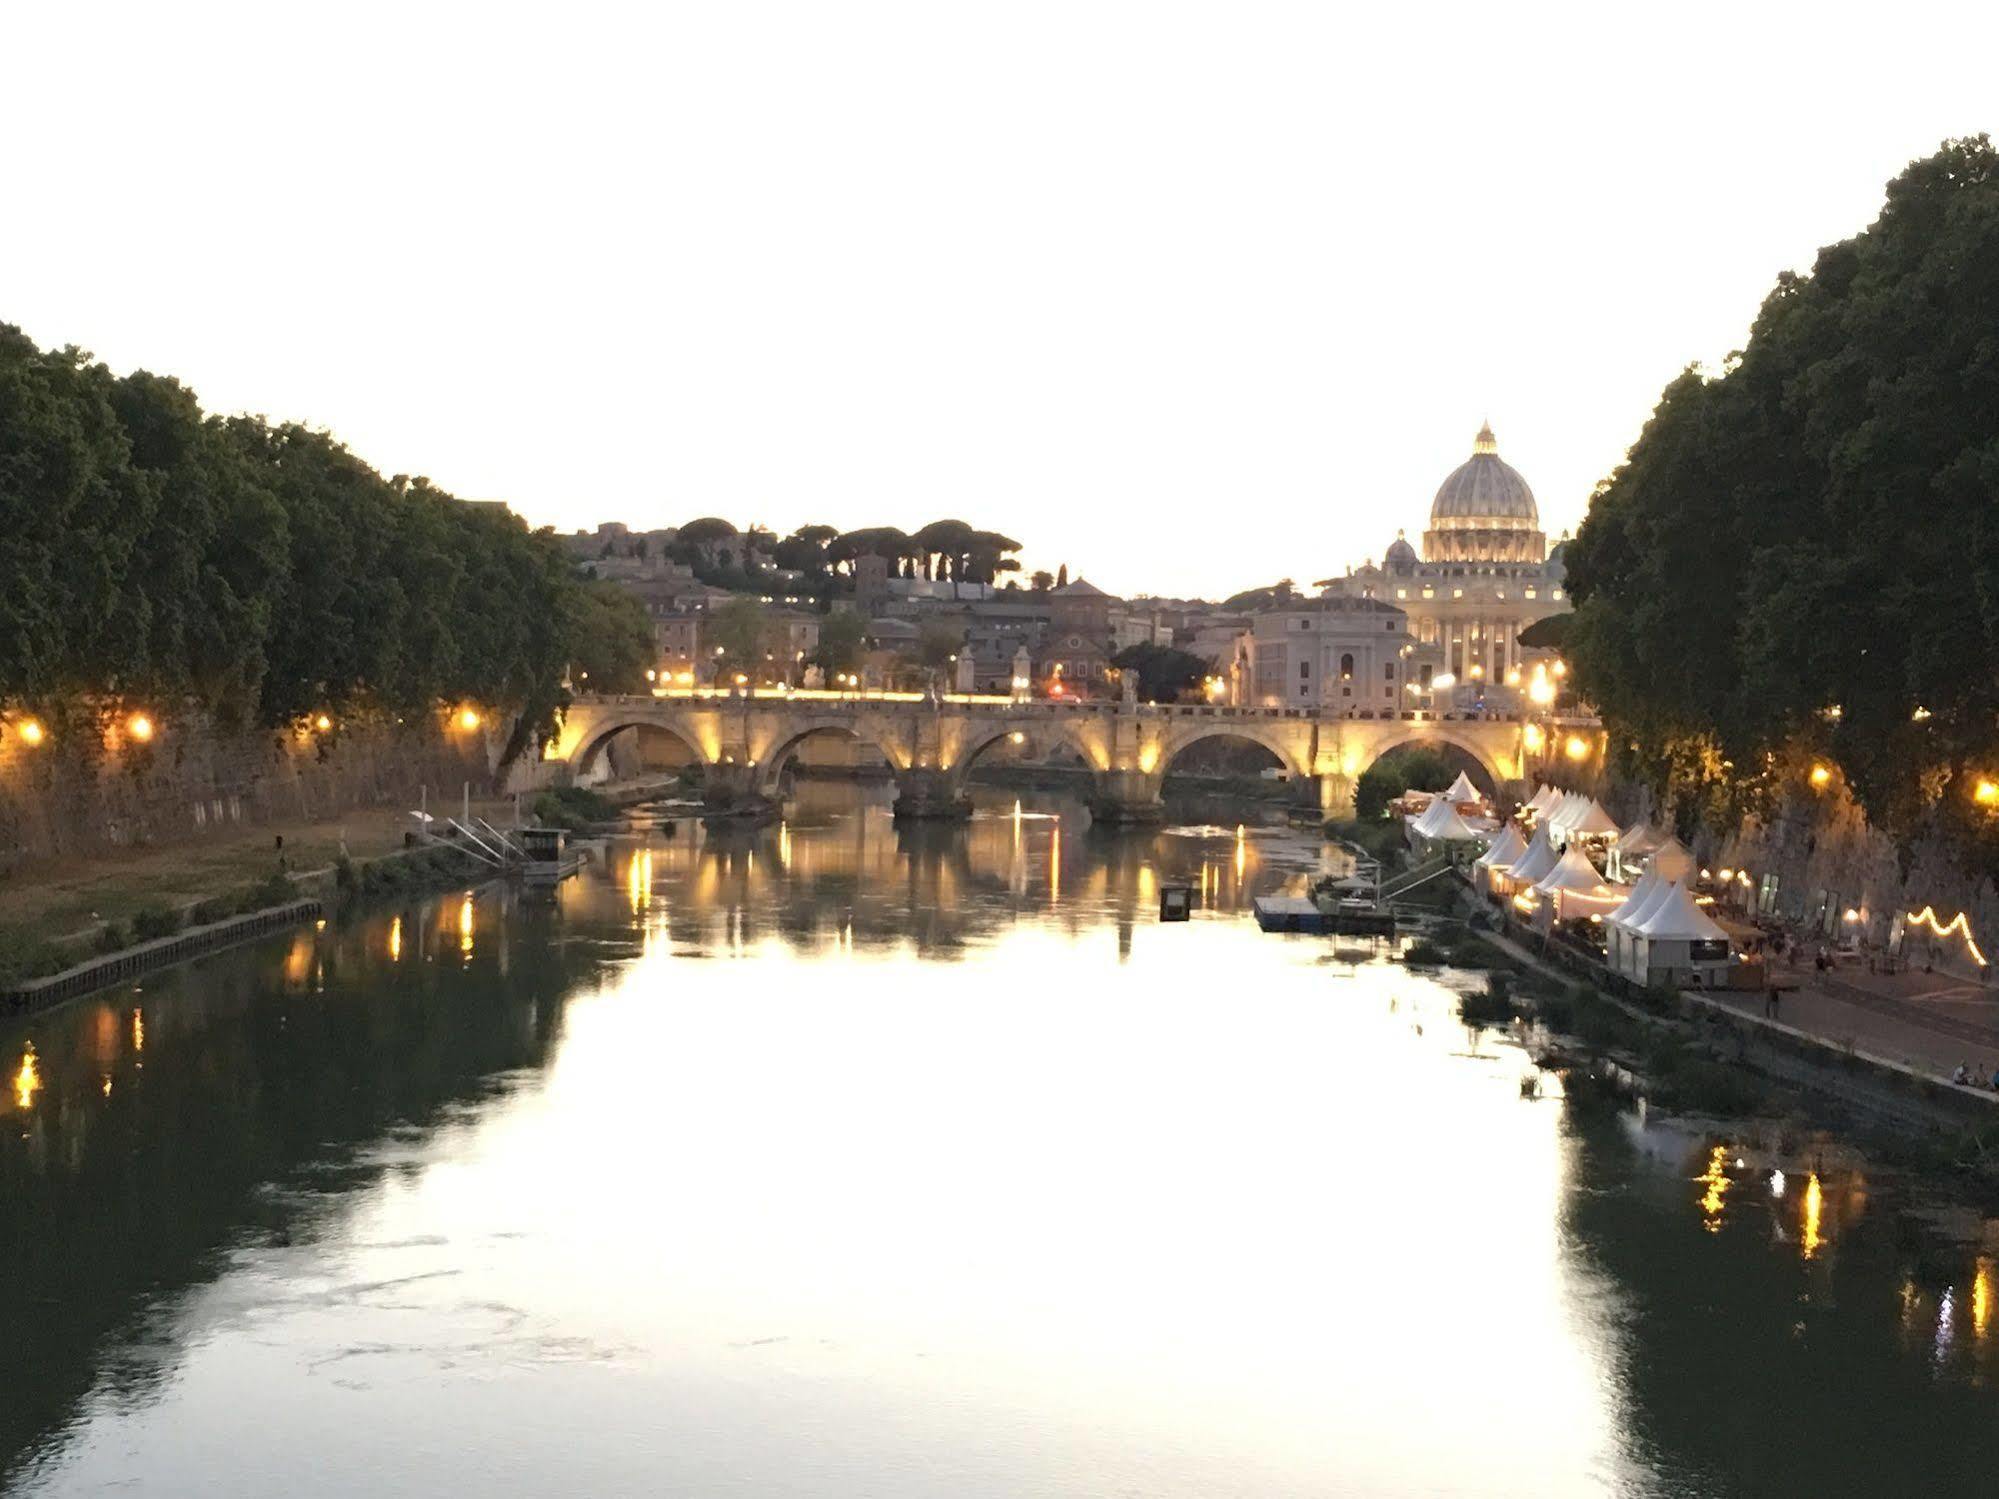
{"x":1484,"y":493}
{"x":1400,"y":556}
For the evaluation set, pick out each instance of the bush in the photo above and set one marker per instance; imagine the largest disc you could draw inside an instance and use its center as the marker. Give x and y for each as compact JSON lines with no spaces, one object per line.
{"x":1556,"y":1011}
{"x":573,"y":807}
{"x":155,"y":921}
{"x":110,"y":938}
{"x":343,"y":873}
{"x":1423,"y":953}
{"x":1699,"y":1086}
{"x":24,"y":957}
{"x":1492,"y":1006}
{"x":272,"y":890}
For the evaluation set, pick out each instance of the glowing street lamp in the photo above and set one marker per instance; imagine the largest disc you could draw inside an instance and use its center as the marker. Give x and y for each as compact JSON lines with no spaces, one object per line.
{"x":139,"y":727}
{"x":1577,"y":747}
{"x":1821,"y":777}
{"x":1986,"y":793}
{"x":322,"y":723}
{"x":30,"y":732}
{"x":468,"y":719}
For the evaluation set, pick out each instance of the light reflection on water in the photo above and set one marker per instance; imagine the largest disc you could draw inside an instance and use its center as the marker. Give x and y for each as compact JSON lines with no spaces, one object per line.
{"x":832,"y":1158}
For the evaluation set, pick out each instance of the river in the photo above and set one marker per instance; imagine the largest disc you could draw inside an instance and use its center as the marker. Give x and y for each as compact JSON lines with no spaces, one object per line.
{"x":833,"y":1159}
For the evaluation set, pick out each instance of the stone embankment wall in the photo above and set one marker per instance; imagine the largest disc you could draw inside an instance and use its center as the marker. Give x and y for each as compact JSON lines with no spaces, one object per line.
{"x":65,"y":796}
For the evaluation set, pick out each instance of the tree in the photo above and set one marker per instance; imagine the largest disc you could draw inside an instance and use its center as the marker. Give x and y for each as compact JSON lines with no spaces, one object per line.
{"x":941,"y":545}
{"x":1062,"y":576}
{"x":1396,"y":772}
{"x":741,"y":627}
{"x":1041,"y":582}
{"x":937,"y":641}
{"x":1798,"y":560}
{"x":610,"y":638}
{"x":842,"y":639}
{"x":1164,"y":673}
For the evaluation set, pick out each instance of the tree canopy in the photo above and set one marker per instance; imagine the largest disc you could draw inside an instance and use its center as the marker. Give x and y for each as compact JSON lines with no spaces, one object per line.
{"x":1799,"y":559}
{"x":149,"y":552}
{"x":1164,"y":673}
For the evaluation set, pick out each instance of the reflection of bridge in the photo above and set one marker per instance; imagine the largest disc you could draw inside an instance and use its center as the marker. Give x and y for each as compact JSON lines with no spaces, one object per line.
{"x":744,"y":742}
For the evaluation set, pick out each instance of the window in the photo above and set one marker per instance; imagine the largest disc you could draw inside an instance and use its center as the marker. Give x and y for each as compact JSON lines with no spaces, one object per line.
{"x":1424,"y":675}
{"x":1457,"y":593}
{"x":1531,"y":593}
{"x":1388,"y":671}
{"x":1402,"y":593}
{"x":1429,"y":593}
{"x":1346,"y":667}
{"x":1304,"y":668}
{"x":1390,"y":627}
{"x":1555,"y":593}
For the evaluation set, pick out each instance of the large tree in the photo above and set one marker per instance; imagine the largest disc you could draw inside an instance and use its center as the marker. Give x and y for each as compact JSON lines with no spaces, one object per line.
{"x":1799,"y":560}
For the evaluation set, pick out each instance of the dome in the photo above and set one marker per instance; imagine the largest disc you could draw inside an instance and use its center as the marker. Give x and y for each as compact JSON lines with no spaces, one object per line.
{"x":1400,"y":556}
{"x":1484,"y":492}
{"x":1484,"y":512}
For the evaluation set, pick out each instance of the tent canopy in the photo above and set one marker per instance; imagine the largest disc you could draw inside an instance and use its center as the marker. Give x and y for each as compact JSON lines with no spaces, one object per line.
{"x":1675,"y":917}
{"x":1592,"y":821}
{"x":1636,"y":898}
{"x":1572,"y":872}
{"x":1640,"y":838}
{"x":1672,"y":860}
{"x":1543,"y":798}
{"x":1537,"y":861}
{"x":1462,"y":790}
{"x":1450,"y":827}
{"x":1507,"y":847}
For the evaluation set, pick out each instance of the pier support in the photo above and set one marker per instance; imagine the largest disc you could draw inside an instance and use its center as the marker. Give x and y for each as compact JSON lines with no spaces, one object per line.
{"x":930,"y":796}
{"x":1125,"y":799}
{"x":731,"y":788}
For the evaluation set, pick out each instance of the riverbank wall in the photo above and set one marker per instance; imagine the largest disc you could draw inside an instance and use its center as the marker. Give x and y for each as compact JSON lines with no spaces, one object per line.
{"x":85,"y":792}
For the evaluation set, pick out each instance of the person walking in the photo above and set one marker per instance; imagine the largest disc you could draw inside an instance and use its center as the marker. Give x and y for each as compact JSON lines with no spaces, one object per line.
{"x":1770,"y":1004}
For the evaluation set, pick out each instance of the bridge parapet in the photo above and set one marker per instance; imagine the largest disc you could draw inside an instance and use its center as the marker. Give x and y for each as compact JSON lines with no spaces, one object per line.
{"x":931,"y":743}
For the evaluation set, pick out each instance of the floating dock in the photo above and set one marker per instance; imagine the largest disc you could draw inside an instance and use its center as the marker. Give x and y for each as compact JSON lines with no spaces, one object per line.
{"x":1294,"y":913}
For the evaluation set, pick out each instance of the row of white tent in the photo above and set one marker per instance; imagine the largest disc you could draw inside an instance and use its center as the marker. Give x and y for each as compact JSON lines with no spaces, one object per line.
{"x":1440,"y":821}
{"x":1570,"y":814}
{"x":1653,"y":929}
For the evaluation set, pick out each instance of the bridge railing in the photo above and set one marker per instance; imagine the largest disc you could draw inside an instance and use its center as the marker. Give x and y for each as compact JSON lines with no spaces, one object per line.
{"x":995,"y":706}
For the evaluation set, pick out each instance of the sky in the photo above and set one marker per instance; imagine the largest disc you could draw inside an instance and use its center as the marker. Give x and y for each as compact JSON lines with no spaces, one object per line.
{"x":1187,"y":297}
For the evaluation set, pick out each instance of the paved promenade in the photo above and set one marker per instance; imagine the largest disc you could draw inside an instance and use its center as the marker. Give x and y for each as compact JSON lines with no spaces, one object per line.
{"x":1928,"y":1022}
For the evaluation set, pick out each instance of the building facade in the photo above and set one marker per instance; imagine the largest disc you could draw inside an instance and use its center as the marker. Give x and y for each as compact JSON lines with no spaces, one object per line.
{"x":1485,"y":574}
{"x":1334,"y":653}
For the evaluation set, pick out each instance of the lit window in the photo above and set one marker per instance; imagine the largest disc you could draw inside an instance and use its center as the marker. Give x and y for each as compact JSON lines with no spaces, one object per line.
{"x":1457,"y":593}
{"x":1530,"y":593}
{"x":1555,"y":593}
{"x":1402,"y":593}
{"x":1429,"y":593}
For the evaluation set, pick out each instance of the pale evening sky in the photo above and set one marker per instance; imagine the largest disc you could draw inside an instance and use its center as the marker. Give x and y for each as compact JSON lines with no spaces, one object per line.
{"x":1188,"y":297}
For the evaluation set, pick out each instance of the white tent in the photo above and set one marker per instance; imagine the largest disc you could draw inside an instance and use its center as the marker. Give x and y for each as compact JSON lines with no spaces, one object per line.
{"x":1532,"y":865}
{"x":1450,"y":828}
{"x":1461,"y":791}
{"x":1543,"y":798}
{"x":1576,"y":888}
{"x":1591,"y":822}
{"x":1627,"y":948}
{"x":1629,"y":851}
{"x":1671,"y":860}
{"x":1424,"y":820}
{"x":1504,"y":850}
{"x":1678,"y":940}
{"x":1565,"y":811}
{"x":1638,"y":896}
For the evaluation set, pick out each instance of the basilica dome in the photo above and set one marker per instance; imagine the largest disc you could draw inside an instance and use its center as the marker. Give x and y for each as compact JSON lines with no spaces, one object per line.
{"x":1484,"y":512}
{"x":1400,"y":556}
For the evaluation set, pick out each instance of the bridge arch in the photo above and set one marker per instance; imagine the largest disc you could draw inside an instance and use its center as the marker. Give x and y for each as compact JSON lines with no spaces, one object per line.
{"x":1044,"y":734}
{"x":594,"y":736}
{"x":1285,"y":747}
{"x":855,"y":729}
{"x":1432,"y":736}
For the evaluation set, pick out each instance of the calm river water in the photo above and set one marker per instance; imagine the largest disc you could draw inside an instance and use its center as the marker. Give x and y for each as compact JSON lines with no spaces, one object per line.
{"x":835,"y":1160}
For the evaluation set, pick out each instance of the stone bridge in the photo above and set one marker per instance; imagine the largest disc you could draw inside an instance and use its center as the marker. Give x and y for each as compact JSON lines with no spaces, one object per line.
{"x":745,"y":741}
